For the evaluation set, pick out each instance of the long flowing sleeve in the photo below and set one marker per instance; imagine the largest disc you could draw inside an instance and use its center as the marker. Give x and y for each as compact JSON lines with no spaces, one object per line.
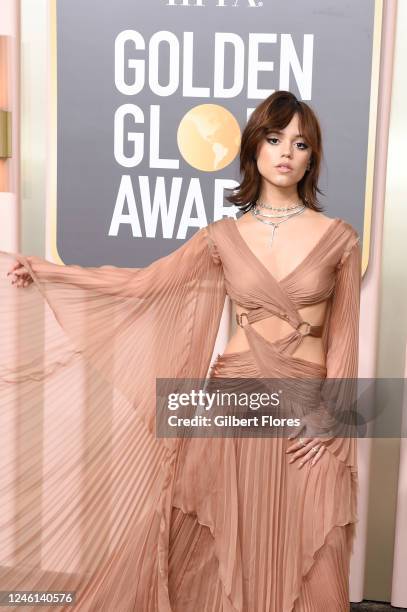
{"x":143,"y":283}
{"x":343,"y":337}
{"x":339,"y":392}
{"x":130,"y":324}
{"x":84,"y":478}
{"x":343,"y":352}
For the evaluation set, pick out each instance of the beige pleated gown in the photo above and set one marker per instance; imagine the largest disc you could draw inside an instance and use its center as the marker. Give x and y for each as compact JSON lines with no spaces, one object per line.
{"x":93,"y":502}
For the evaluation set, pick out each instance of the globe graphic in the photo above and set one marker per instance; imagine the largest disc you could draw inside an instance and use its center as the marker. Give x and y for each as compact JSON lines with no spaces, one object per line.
{"x":208,"y":137}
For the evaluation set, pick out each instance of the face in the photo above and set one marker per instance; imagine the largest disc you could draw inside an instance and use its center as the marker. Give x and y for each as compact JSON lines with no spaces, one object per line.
{"x":286,"y":149}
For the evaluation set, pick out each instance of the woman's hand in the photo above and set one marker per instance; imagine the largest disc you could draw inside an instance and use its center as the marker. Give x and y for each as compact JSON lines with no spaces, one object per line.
{"x":22,"y":277}
{"x":307,"y":448}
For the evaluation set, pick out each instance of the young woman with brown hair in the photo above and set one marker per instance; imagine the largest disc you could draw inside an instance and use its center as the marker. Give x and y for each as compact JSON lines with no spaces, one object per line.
{"x":242,"y":524}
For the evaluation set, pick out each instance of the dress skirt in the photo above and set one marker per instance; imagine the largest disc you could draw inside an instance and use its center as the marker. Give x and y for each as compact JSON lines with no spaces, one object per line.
{"x":237,"y":539}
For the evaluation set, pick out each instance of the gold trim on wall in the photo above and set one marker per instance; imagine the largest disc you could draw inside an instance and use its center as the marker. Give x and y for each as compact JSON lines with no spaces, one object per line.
{"x":5,"y":134}
{"x":51,"y":238}
{"x":371,"y":143}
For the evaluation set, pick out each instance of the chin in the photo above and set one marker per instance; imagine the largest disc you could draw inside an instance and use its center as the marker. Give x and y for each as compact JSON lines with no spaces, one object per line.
{"x":283,"y":180}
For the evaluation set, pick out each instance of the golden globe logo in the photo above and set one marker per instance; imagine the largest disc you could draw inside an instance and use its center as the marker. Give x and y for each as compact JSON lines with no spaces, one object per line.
{"x":208,"y":137}
{"x":219,"y":3}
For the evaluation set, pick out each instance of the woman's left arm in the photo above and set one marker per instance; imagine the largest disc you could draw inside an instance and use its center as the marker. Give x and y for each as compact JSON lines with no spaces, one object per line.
{"x":341,"y":363}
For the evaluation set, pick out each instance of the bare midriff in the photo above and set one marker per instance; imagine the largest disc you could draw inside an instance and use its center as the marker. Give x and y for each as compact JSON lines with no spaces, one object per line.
{"x":273,"y":328}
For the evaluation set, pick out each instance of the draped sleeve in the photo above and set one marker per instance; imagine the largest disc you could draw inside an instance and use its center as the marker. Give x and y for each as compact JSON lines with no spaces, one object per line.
{"x":343,"y":336}
{"x":337,"y":412}
{"x":129,"y":325}
{"x":86,"y":482}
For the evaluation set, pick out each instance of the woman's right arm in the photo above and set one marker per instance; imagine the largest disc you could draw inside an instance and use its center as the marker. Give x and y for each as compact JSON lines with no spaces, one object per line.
{"x":175,"y":268}
{"x":106,"y":278}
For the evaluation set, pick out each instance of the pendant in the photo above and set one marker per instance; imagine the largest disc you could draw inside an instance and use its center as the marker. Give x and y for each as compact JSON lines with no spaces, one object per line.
{"x":272,"y":233}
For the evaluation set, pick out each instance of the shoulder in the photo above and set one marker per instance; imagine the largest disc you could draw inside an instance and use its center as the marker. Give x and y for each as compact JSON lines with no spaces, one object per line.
{"x":325,"y":221}
{"x":212,"y":232}
{"x":349,"y":229}
{"x":351,"y":240}
{"x":220,"y":222}
{"x":350,"y":243}
{"x":215,"y":227}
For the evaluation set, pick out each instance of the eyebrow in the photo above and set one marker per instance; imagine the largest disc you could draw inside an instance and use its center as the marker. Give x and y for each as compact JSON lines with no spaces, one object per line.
{"x":280,"y":132}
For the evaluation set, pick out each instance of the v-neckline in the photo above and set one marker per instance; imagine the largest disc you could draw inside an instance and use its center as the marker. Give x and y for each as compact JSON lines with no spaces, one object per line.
{"x":298,"y":266}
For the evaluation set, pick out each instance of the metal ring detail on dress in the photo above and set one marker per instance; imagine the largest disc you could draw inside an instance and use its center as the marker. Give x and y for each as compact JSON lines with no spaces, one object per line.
{"x":307,"y":330}
{"x":239,"y":318}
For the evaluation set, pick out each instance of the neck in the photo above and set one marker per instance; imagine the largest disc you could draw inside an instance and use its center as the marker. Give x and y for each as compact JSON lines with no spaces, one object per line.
{"x":278,"y":196}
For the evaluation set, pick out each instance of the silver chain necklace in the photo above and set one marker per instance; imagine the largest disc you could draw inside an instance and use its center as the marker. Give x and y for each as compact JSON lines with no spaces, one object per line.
{"x":278,"y":216}
{"x":257,"y":215}
{"x":262,"y":205}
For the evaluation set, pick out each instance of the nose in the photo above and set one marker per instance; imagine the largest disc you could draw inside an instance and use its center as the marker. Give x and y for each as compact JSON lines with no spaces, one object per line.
{"x":286,"y":150}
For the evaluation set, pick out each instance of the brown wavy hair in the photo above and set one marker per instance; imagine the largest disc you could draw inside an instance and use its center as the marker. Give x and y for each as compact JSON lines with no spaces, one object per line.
{"x":275,"y":113}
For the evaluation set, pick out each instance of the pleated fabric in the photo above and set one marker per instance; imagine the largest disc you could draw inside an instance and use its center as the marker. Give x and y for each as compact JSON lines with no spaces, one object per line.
{"x":92,"y":501}
{"x":85,"y":485}
{"x":276,"y":537}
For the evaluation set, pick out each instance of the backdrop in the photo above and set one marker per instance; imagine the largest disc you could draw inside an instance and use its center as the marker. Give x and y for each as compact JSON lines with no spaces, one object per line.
{"x":151,"y":98}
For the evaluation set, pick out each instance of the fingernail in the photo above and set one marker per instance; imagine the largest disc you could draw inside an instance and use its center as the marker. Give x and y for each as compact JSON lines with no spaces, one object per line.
{"x":301,"y":464}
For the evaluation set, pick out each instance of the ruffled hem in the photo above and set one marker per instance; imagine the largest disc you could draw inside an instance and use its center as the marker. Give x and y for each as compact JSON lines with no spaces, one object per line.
{"x":333,"y":507}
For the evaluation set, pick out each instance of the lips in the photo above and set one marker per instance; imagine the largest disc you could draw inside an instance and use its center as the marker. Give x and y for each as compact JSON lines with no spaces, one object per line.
{"x":284,"y":167}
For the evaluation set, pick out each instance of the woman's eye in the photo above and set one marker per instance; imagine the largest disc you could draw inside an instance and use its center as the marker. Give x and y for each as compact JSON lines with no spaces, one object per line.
{"x":302,"y":145}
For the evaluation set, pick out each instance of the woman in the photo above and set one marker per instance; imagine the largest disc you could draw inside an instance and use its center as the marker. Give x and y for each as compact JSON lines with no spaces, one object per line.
{"x":131,"y":521}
